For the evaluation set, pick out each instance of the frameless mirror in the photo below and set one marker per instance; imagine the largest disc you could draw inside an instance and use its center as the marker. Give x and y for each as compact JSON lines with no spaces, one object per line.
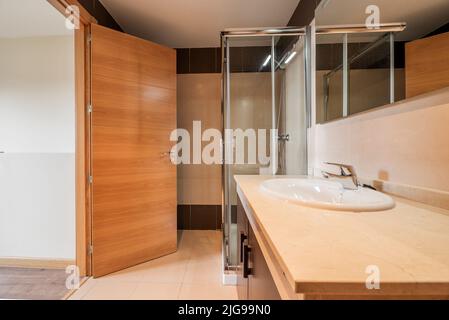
{"x":360,"y":70}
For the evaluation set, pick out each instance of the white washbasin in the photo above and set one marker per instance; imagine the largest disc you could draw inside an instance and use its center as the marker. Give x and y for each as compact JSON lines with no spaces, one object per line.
{"x":324,"y":194}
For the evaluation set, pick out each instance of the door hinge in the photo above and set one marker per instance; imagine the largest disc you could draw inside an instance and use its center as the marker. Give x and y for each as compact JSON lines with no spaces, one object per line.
{"x":90,"y":179}
{"x":89,"y":38}
{"x":90,"y":249}
{"x":89,"y":108}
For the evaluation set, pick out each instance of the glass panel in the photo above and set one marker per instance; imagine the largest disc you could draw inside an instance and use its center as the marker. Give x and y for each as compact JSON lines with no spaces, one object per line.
{"x":369,"y":71}
{"x":291,"y":119}
{"x":329,"y":77}
{"x":250,"y":107}
{"x":226,"y":203}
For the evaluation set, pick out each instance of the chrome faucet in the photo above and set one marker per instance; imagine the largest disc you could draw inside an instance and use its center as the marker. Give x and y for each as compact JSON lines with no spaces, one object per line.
{"x":347,"y":176}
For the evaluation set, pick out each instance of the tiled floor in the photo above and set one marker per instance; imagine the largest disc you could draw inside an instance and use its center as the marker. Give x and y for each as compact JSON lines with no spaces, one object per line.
{"x":192,"y":273}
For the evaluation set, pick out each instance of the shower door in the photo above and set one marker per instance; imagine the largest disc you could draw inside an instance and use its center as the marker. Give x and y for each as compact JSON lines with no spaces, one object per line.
{"x":263,"y":97}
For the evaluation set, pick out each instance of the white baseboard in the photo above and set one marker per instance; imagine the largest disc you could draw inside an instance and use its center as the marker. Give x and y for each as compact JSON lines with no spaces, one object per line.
{"x":38,"y":263}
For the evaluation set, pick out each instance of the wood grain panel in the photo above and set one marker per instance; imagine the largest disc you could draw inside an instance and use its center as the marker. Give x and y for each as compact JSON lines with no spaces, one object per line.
{"x":134,"y":188}
{"x":261,"y":285}
{"x":427,"y":65}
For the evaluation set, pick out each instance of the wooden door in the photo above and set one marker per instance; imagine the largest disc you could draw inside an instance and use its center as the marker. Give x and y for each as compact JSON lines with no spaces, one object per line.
{"x":134,"y":182}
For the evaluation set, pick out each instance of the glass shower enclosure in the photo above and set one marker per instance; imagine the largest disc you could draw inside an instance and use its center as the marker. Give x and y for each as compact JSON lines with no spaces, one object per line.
{"x":265,"y":100}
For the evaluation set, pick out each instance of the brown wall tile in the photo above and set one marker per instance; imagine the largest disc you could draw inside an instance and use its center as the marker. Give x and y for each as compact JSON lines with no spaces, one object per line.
{"x":199,"y":60}
{"x":183,"y":217}
{"x":203,"y":217}
{"x":182,"y":61}
{"x":218,"y":60}
{"x":219,"y":217}
{"x":199,"y":98}
{"x":199,"y":217}
{"x":202,"y":60}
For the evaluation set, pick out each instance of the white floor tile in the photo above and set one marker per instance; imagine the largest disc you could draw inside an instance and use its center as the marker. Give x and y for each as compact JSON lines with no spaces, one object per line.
{"x":111,"y":291}
{"x":193,"y":272}
{"x":156,"y":291}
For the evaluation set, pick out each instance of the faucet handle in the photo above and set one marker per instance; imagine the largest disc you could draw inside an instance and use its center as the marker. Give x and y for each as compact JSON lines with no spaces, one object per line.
{"x":345,"y":169}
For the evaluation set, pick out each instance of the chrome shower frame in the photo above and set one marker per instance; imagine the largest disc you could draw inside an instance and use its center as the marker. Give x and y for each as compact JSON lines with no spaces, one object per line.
{"x":225,"y":109}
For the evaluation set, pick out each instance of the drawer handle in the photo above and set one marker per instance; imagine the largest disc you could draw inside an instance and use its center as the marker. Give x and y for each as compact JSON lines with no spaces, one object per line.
{"x":243,"y":237}
{"x":246,"y":269}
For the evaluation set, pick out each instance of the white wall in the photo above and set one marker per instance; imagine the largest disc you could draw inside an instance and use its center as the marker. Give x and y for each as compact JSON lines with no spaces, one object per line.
{"x":406,"y":143}
{"x":37,"y":134}
{"x":37,"y":95}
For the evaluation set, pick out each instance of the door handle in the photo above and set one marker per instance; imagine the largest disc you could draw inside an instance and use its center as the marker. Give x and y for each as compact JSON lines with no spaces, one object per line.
{"x":243,"y":237}
{"x":246,"y":269}
{"x":170,"y":155}
{"x":166,"y":154}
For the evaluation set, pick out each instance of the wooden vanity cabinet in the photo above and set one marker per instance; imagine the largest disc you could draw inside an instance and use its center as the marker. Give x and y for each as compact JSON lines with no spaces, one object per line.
{"x":242,"y":233}
{"x":254,"y":280}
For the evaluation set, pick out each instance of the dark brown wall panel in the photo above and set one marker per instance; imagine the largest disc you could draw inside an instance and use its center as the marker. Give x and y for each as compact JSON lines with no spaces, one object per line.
{"x":304,"y":13}
{"x":208,"y":60}
{"x":199,"y":217}
{"x":198,"y":60}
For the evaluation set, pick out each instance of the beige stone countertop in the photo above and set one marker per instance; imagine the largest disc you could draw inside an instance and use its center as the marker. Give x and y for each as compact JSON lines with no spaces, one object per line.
{"x":322,"y":251}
